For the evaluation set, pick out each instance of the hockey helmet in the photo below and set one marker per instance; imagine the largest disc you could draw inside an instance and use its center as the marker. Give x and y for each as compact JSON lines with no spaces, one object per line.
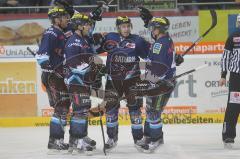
{"x":56,"y":12}
{"x":80,"y":19}
{"x":159,"y":22}
{"x":123,"y":20}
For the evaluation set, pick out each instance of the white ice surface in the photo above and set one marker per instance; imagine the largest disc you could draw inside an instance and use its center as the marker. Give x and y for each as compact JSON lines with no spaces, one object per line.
{"x":181,"y":142}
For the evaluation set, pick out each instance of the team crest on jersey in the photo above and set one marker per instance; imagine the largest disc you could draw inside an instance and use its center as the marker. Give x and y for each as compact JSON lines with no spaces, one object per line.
{"x":130,"y":45}
{"x":127,"y":43}
{"x":157,"y":48}
{"x":236,"y":39}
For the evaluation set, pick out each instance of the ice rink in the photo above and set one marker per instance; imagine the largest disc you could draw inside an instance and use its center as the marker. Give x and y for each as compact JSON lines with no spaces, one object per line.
{"x":181,"y":142}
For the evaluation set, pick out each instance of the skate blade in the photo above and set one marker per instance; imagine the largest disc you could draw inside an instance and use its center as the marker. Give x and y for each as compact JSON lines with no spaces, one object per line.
{"x":56,"y":152}
{"x":110,"y":149}
{"x":151,"y":150}
{"x":228,"y":146}
{"x":139,"y":148}
{"x":80,"y":152}
{"x":88,"y":153}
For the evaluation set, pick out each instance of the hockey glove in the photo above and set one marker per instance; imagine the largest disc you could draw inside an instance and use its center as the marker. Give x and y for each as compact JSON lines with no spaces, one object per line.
{"x":146,"y":15}
{"x":43,"y":61}
{"x":179,"y":59}
{"x":96,"y":112}
{"x":96,"y":15}
{"x":97,"y":38}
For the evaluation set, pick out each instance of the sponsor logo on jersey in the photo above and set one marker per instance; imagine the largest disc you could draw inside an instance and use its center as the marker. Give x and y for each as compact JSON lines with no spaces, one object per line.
{"x":236,"y":39}
{"x":156,"y":48}
{"x":234,"y":97}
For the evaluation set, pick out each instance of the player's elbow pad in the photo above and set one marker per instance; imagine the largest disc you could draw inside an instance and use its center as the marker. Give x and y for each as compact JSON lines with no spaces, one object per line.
{"x":43,"y":60}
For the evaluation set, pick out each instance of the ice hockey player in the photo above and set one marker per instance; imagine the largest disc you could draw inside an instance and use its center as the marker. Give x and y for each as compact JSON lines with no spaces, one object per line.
{"x":95,"y":15}
{"x":162,"y":52}
{"x":79,"y":59}
{"x":50,"y":58}
{"x":146,"y":16}
{"x":124,"y":53}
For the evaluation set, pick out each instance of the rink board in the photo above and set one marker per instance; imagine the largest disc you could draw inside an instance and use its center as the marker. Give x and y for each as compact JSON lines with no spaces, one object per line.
{"x":123,"y":120}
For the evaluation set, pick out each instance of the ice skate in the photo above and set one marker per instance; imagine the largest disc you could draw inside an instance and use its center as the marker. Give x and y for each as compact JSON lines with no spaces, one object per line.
{"x":139,"y":143}
{"x":90,"y":141}
{"x":110,"y":144}
{"x":56,"y":146}
{"x":228,"y":143}
{"x":82,"y":145}
{"x":152,"y":146}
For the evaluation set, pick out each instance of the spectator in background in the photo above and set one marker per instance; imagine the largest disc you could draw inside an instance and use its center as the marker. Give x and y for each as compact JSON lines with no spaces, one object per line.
{"x":84,"y":2}
{"x":9,"y":3}
{"x":182,"y":8}
{"x":36,"y":3}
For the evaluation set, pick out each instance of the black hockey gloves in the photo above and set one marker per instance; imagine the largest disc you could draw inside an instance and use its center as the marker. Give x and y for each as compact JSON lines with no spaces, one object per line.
{"x":179,"y":59}
{"x":146,"y":15}
{"x":96,"y":14}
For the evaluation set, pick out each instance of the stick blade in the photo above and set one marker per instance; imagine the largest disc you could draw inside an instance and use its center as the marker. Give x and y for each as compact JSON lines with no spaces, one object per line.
{"x":214,"y":18}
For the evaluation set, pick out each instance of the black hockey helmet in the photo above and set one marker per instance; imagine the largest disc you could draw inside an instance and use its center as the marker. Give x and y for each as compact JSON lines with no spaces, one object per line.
{"x":159,"y":22}
{"x":123,"y":20}
{"x":57,"y":12}
{"x":80,"y":19}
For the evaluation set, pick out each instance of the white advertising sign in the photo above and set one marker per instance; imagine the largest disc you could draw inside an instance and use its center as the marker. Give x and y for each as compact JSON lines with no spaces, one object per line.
{"x":201,"y":88}
{"x":182,"y":29}
{"x":198,"y":92}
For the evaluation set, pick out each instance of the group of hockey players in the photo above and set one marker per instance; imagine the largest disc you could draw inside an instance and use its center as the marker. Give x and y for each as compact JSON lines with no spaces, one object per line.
{"x":70,"y":70}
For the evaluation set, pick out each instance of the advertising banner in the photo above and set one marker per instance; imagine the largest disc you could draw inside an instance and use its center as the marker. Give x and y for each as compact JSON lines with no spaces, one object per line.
{"x":182,"y":29}
{"x":18,"y":89}
{"x":201,"y":88}
{"x":17,"y":51}
{"x":200,"y":48}
{"x":198,"y":92}
{"x":28,"y":31}
{"x":220,"y":32}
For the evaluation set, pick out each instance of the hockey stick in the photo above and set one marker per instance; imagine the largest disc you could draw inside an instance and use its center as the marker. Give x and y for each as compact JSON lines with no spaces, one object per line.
{"x":147,"y":88}
{"x":30,"y":50}
{"x":214,"y":23}
{"x":44,"y":70}
{"x":101,"y":125}
{"x":190,"y":71}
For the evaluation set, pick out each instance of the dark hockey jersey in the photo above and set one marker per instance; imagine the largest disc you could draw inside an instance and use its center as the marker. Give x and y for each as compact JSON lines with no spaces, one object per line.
{"x":162,"y":52}
{"x":124,"y":55}
{"x":77,"y":50}
{"x":52,"y":47}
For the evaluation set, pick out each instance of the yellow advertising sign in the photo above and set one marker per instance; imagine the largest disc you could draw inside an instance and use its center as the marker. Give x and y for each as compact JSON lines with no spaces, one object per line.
{"x":220,"y":32}
{"x":123,"y":120}
{"x":18,"y":96}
